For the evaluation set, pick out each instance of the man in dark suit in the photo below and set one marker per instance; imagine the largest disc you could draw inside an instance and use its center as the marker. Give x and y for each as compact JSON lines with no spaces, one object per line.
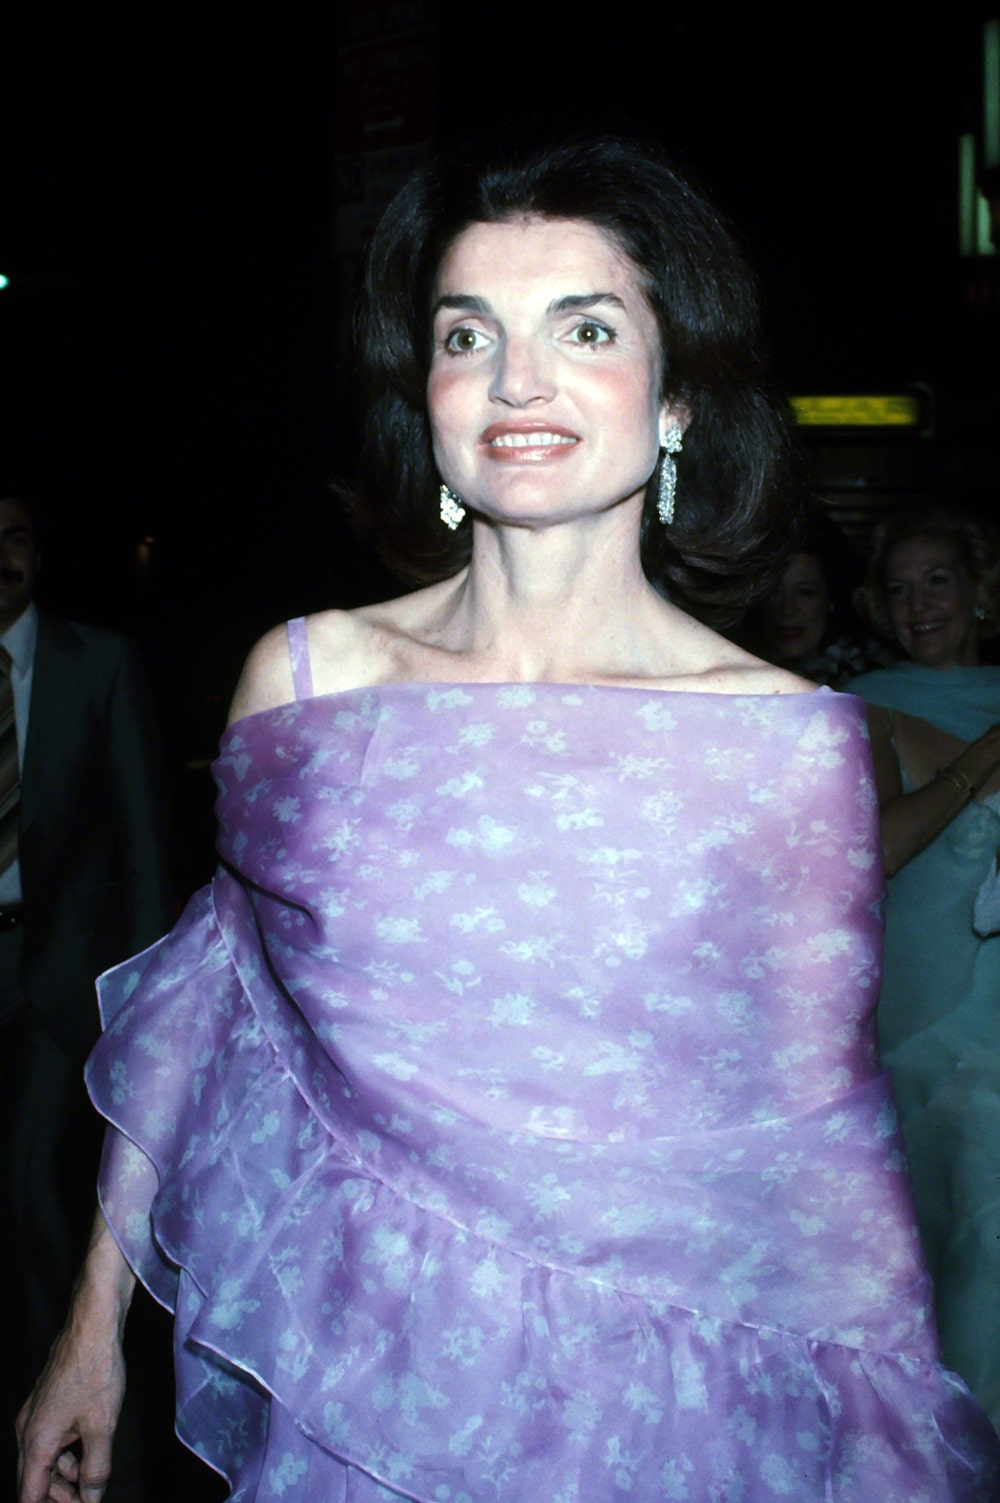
{"x":84,"y":883}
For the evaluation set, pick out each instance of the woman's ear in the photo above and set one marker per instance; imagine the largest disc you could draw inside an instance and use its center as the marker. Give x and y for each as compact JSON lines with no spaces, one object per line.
{"x":673,"y":416}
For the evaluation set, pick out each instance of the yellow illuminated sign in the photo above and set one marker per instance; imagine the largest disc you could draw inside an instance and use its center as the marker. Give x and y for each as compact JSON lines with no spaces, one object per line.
{"x":898,"y":411}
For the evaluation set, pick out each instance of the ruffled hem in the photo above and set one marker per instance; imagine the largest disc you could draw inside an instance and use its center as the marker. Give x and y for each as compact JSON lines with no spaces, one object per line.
{"x":330,"y":1331}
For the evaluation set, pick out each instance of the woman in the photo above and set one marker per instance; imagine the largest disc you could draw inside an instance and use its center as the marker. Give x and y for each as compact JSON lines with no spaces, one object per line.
{"x":528,"y":1123}
{"x":807,"y":623}
{"x":936,"y":738}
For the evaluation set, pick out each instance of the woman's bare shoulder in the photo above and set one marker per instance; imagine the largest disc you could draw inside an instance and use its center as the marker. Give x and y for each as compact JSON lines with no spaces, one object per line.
{"x":389,"y":642}
{"x":342,"y":655}
{"x":696,"y":658}
{"x":755,"y":677}
{"x":718,"y":666}
{"x":350,"y":649}
{"x":266,"y":679}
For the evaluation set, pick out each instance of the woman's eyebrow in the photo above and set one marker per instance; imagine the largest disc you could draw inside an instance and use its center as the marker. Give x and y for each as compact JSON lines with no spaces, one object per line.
{"x":467,"y":302}
{"x":464,"y":302}
{"x":584,"y":300}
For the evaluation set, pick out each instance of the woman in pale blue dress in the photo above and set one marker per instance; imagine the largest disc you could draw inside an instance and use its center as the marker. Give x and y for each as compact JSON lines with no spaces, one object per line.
{"x":936,"y":738}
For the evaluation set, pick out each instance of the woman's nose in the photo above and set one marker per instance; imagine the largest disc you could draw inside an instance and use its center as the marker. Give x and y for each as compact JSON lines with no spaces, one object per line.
{"x":522,"y":374}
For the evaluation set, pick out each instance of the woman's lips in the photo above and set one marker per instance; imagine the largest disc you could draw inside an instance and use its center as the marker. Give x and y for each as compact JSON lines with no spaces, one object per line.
{"x":527,"y":443}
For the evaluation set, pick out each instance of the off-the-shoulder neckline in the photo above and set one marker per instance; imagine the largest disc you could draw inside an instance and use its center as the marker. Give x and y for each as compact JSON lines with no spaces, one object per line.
{"x":445,"y":686}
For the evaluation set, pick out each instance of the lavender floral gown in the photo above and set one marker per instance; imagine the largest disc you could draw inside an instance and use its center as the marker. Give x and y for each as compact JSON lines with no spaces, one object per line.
{"x":504,"y":1123}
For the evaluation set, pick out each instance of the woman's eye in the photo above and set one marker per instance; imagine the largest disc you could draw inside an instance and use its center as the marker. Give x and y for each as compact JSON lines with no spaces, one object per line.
{"x":464,"y":341}
{"x":895,"y":591}
{"x":591,"y":333}
{"x":939,"y":578}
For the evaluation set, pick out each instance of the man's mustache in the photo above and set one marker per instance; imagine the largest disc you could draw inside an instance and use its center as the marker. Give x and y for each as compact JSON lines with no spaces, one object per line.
{"x":12,"y":576}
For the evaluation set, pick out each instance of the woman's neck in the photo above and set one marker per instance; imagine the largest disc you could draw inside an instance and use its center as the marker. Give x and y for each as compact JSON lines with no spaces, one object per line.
{"x":560,"y":603}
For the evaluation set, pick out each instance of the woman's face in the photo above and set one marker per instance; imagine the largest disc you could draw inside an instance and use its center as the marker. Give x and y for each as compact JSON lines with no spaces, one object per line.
{"x":544,"y":384}
{"x":797,"y":613}
{"x":932,"y":602}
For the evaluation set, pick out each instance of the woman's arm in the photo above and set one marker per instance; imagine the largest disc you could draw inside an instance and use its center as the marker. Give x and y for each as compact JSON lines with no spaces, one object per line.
{"x":75,"y":1403}
{"x":266,"y":680}
{"x":910,"y":821}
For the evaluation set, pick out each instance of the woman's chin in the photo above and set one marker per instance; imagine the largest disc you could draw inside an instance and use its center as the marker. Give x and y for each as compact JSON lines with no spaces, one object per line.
{"x":943,"y":655}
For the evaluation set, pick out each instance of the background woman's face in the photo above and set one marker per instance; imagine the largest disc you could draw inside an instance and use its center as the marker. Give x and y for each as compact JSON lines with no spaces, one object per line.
{"x":797,"y":612}
{"x":544,"y":384}
{"x":932,"y":602}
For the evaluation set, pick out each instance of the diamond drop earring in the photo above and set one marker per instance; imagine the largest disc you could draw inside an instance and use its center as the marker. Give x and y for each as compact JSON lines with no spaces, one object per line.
{"x":671,"y":445}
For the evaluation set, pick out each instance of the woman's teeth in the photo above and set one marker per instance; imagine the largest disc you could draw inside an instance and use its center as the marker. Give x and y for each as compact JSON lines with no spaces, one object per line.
{"x":529,"y":440}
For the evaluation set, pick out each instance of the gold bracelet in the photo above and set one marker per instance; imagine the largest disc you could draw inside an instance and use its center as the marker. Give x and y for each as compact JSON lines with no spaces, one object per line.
{"x":963,"y":783}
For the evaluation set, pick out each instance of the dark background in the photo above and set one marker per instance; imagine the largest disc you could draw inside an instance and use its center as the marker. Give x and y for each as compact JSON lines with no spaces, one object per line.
{"x":174,"y":364}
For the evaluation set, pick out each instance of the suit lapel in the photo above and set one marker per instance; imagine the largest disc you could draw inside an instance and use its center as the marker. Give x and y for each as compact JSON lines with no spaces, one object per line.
{"x":53,"y":684}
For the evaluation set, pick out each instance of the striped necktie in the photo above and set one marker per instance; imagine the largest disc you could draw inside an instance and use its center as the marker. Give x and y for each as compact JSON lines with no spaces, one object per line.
{"x":10,"y":773}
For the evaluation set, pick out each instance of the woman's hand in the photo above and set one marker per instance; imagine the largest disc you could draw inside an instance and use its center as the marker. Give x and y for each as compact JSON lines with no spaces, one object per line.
{"x":66,"y":1428}
{"x":75,"y":1404}
{"x":910,"y":821}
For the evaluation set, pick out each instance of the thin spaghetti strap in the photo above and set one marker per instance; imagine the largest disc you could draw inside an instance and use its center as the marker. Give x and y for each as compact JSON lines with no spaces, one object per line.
{"x":298,"y":653}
